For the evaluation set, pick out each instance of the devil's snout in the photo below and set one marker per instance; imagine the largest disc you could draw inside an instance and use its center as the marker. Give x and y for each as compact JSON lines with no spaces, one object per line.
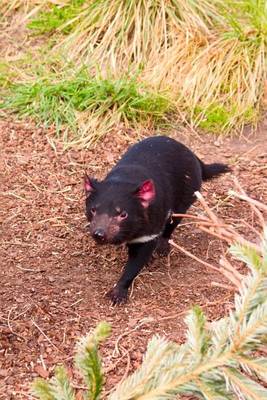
{"x":99,"y":235}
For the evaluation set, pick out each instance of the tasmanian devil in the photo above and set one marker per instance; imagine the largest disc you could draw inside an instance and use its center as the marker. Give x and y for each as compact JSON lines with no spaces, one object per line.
{"x":135,"y":202}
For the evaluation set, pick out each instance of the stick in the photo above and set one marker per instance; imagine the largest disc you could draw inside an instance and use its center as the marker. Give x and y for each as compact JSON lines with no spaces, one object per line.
{"x":47,"y":338}
{"x":210,"y":213}
{"x":249,"y":200}
{"x":193,"y":256}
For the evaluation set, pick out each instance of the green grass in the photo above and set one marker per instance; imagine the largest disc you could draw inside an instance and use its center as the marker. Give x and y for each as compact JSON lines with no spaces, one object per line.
{"x":56,"y":17}
{"x":215,"y":118}
{"x":86,"y":105}
{"x":246,"y":20}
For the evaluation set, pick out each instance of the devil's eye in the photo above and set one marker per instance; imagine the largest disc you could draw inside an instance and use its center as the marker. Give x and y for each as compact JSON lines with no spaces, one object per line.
{"x":93,"y":210}
{"x":123,"y":215}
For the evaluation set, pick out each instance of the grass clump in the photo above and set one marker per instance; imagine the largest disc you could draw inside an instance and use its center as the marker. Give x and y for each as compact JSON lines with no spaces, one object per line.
{"x":86,"y":105}
{"x":210,"y":55}
{"x":204,"y":52}
{"x":133,"y":31}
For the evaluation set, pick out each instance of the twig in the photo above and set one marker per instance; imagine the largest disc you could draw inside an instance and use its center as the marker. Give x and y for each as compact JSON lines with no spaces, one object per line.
{"x":43,"y":363}
{"x":226,"y":264}
{"x":226,"y":273}
{"x":21,"y":313}
{"x":143,"y":322}
{"x":210,"y":213}
{"x":28,"y":269}
{"x":127,"y":366}
{"x":230,"y":236}
{"x":126,"y":353}
{"x":252,"y":228}
{"x":76,"y":302}
{"x":47,"y":338}
{"x":230,"y":277}
{"x":191,"y":216}
{"x":16,"y":196}
{"x":217,"y":235}
{"x":236,"y":237}
{"x":213,"y":226}
{"x":193,"y":256}
{"x":10,"y":327}
{"x":223,"y":285}
{"x":173,"y":316}
{"x":32,"y":183}
{"x":249,"y":200}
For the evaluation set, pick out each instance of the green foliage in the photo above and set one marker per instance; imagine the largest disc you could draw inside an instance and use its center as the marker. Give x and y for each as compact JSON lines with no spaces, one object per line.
{"x":4,"y":75}
{"x":216,"y":362}
{"x":88,"y":363}
{"x":213,"y":118}
{"x":217,"y":118}
{"x":59,"y":101}
{"x":246,"y":19}
{"x":57,"y":17}
{"x":197,"y":336}
{"x":58,"y":389}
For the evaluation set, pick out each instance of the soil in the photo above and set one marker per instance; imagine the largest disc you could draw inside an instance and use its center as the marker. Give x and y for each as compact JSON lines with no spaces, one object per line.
{"x":54,"y":277}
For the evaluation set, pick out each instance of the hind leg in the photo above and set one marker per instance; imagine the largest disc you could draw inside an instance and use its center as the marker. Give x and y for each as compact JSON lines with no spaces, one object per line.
{"x":193,"y":183}
{"x":163,"y":246}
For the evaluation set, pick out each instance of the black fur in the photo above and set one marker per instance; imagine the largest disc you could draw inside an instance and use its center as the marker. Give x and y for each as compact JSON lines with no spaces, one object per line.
{"x":175,"y":173}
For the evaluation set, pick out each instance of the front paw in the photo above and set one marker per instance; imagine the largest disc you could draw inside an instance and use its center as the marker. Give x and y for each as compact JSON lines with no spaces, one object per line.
{"x":163,"y":247}
{"x":117,"y":295}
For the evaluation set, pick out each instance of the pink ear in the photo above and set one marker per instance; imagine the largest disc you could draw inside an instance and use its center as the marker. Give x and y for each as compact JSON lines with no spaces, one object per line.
{"x":146,"y":193}
{"x":88,"y":184}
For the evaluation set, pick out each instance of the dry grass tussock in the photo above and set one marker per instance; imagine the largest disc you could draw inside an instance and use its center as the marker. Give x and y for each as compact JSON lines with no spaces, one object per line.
{"x":211,"y":56}
{"x":208,"y":56}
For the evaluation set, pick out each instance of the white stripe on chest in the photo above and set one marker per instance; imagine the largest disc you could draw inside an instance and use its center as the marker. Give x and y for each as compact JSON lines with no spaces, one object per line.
{"x":144,"y":239}
{"x":148,"y":238}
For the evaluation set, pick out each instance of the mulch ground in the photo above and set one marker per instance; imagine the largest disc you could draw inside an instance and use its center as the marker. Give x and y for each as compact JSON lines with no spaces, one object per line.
{"x":54,"y":278}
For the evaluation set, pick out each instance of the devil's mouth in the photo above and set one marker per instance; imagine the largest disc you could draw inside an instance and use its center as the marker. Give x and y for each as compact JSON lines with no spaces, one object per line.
{"x":101,"y":242}
{"x":113,"y":241}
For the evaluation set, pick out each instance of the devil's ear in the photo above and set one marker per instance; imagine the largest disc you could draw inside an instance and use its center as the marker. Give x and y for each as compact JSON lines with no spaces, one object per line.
{"x":146,"y":192}
{"x":89,"y":185}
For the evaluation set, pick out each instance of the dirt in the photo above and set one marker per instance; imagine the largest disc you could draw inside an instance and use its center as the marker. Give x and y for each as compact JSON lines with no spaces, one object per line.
{"x":54,"y":278}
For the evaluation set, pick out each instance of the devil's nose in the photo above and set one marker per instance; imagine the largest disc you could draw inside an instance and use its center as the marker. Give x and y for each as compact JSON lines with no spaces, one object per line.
{"x":99,"y":235}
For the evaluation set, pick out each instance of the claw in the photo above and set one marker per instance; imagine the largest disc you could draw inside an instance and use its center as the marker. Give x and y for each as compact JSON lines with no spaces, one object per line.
{"x":117,"y":295}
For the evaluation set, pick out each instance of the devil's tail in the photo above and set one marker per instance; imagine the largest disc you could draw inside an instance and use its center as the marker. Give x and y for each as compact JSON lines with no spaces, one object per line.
{"x":210,"y":171}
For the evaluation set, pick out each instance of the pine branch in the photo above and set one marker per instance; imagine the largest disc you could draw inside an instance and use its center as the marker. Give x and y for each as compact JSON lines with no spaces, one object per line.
{"x":219,"y":360}
{"x":42,"y":389}
{"x":242,"y":386}
{"x":215,"y":362}
{"x":253,"y":366}
{"x":59,"y":388}
{"x":198,"y":337}
{"x":88,"y":361}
